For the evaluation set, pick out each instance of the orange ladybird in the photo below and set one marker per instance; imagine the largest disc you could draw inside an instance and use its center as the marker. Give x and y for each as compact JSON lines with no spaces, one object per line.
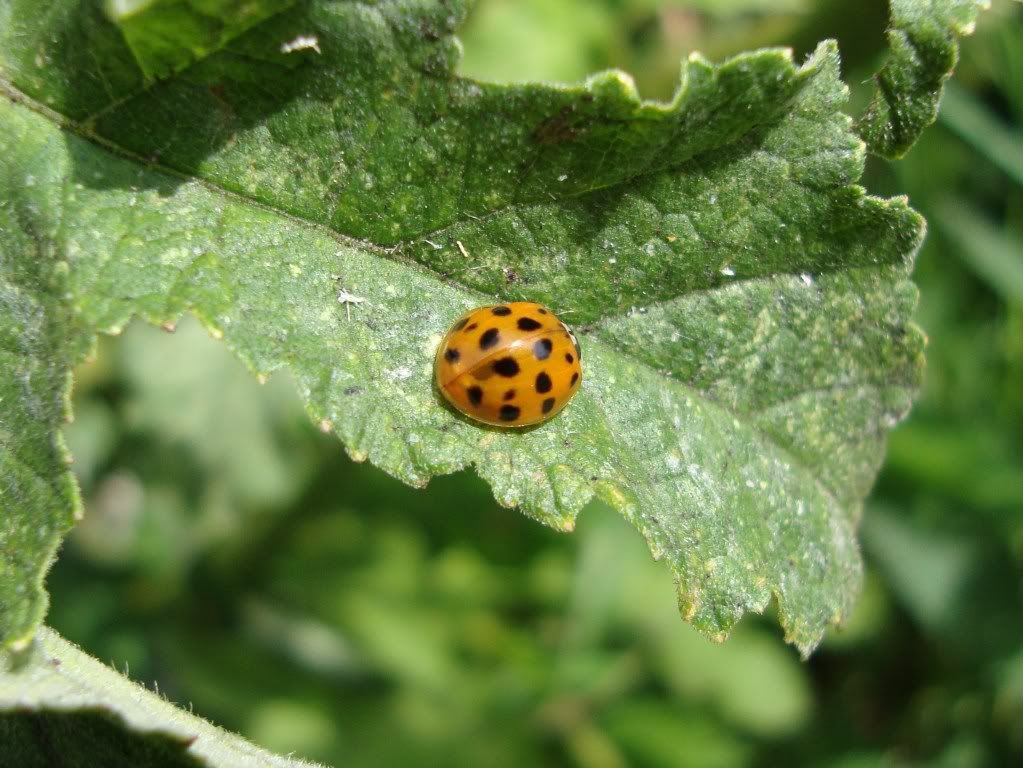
{"x":510,"y":365}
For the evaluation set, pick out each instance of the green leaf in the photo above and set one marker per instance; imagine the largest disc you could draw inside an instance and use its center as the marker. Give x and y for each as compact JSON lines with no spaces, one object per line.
{"x":924,"y":46}
{"x":743,"y":307}
{"x":59,"y":705}
{"x":165,"y":36}
{"x":38,"y":341}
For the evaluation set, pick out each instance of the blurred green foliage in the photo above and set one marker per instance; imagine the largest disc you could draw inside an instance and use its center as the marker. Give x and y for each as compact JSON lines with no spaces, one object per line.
{"x":231,"y":553}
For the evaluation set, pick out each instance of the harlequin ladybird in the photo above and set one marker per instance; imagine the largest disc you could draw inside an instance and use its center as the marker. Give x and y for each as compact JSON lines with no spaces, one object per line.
{"x":510,"y":365}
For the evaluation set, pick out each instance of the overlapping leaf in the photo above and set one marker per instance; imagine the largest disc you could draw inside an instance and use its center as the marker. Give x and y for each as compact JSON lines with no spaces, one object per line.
{"x":923,"y":42}
{"x":59,"y":706}
{"x":744,"y":307}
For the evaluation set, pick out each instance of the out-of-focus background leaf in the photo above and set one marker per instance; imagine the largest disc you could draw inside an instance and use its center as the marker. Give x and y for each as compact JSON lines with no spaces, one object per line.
{"x":440,"y":629}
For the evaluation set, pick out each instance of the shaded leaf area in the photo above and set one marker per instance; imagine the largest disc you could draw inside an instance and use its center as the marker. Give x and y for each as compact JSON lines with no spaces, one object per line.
{"x":923,"y":42}
{"x":744,"y":306}
{"x":59,"y":706}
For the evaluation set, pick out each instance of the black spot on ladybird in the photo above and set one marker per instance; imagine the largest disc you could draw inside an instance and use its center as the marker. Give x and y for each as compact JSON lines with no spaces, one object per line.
{"x":568,"y":358}
{"x":548,"y":404}
{"x":509,"y":395}
{"x":489,"y":338}
{"x":451,"y":355}
{"x":506,"y":366}
{"x":575,"y":378}
{"x":543,"y":382}
{"x":542,"y":348}
{"x":528,"y":324}
{"x":510,"y":412}
{"x":542,"y":311}
{"x":501,"y":311}
{"x":475,"y":395}
{"x":471,"y":327}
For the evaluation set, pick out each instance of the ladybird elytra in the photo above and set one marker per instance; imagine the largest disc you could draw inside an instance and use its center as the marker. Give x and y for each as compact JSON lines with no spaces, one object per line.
{"x":509,"y":365}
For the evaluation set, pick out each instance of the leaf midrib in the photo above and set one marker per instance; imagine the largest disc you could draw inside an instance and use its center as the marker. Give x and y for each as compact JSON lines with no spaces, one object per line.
{"x":9,"y":91}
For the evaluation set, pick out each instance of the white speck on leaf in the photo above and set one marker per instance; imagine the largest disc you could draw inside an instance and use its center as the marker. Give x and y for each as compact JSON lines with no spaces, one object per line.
{"x":727,"y":271}
{"x":399,"y":374}
{"x":302,"y":43}
{"x":431,"y":343}
{"x":348,"y":299}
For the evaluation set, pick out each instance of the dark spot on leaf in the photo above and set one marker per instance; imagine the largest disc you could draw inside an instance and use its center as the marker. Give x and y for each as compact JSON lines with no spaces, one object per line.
{"x":506,"y":366}
{"x":548,"y":404}
{"x":557,"y":128}
{"x":501,"y":311}
{"x":352,"y":390}
{"x":429,"y":31}
{"x":528,"y":324}
{"x":543,"y":382}
{"x":489,"y":338}
{"x":475,"y":395}
{"x":510,"y":412}
{"x":542,"y":349}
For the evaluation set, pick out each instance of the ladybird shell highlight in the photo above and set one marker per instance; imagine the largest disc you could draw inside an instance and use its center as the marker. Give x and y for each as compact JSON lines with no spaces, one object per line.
{"x":509,"y":365}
